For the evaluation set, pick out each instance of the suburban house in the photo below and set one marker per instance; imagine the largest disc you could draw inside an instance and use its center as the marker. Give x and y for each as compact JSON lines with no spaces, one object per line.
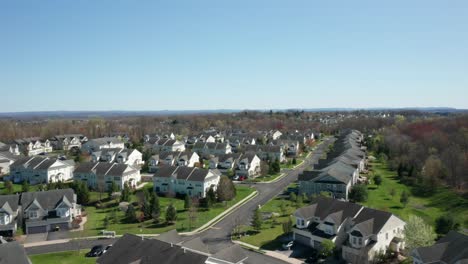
{"x":336,"y":179}
{"x":248,"y":165}
{"x":166,"y":144}
{"x":68,"y":141}
{"x":360,"y":232}
{"x":168,"y":249}
{"x":33,"y":146}
{"x":266,"y":152}
{"x":238,"y":142}
{"x":156,"y":136}
{"x":292,"y":147}
{"x":101,"y":175}
{"x":9,"y":212}
{"x":102,"y":143}
{"x":225,"y":162}
{"x":173,"y":158}
{"x":8,"y":155}
{"x":39,"y":169}
{"x":49,"y":210}
{"x":274,"y":134}
{"x":13,"y":253}
{"x":450,"y":249}
{"x":123,"y":156}
{"x":185,"y":180}
{"x":212,"y":148}
{"x":339,"y":171}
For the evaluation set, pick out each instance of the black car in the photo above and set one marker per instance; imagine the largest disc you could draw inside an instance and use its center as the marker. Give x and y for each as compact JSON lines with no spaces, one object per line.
{"x":96,"y":251}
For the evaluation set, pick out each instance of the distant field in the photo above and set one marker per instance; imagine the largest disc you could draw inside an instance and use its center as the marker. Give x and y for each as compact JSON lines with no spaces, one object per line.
{"x":444,"y":201}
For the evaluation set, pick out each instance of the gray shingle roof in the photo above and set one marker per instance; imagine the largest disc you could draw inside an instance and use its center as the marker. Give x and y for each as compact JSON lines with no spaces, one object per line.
{"x":134,"y":249}
{"x":47,"y":199}
{"x":452,"y":248}
{"x":13,"y":253}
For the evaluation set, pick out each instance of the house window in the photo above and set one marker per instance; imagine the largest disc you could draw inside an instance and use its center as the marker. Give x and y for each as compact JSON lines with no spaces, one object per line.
{"x":386,"y":236}
{"x":354,"y":240}
{"x":33,"y":214}
{"x":360,"y":241}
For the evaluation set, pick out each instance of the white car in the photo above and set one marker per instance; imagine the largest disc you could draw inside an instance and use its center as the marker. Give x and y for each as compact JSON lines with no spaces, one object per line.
{"x":288,"y":245}
{"x":236,"y":177}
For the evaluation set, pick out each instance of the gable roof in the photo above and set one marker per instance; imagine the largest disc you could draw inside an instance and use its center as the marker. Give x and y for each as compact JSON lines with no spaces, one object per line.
{"x":37,"y":163}
{"x":48,"y":200}
{"x":12,"y":201}
{"x":184,"y":173}
{"x":233,"y":254}
{"x":452,"y":248}
{"x":370,"y":221}
{"x":323,"y":207}
{"x":13,"y":253}
{"x":134,"y":249}
{"x":105,"y":168}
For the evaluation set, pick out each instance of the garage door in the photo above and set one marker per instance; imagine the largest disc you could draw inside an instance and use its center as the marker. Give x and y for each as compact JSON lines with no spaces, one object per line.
{"x":37,"y":229}
{"x":302,"y":239}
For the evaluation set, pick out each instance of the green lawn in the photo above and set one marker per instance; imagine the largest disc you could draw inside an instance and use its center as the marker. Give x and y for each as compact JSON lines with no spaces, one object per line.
{"x":443,"y":201}
{"x":264,"y":179}
{"x":267,"y":237}
{"x":17,"y":188}
{"x":67,"y":257}
{"x":95,"y":222}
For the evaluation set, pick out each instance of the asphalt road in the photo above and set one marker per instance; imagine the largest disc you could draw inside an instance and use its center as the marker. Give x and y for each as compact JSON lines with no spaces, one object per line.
{"x":218,"y":236}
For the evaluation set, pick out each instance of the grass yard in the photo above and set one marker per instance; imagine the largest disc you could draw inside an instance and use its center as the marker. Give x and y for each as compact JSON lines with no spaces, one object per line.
{"x":444,"y":200}
{"x":66,"y":257}
{"x":17,"y":188}
{"x":95,"y":222}
{"x":264,"y":179}
{"x":267,"y":238}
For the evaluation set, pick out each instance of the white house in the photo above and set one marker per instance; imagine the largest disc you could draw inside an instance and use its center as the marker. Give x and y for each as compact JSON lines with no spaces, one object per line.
{"x":450,"y":249}
{"x":8,"y":155}
{"x":102,"y":143}
{"x":166,"y":144}
{"x":185,"y":180}
{"x":124,"y":156}
{"x":38,"y":169}
{"x":360,"y":232}
{"x":248,"y":165}
{"x":101,"y":175}
{"x":33,"y":146}
{"x":173,"y":158}
{"x":212,"y":148}
{"x":68,"y":141}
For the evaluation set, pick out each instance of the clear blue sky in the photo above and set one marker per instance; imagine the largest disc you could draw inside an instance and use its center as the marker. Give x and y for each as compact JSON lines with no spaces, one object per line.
{"x":153,"y":55}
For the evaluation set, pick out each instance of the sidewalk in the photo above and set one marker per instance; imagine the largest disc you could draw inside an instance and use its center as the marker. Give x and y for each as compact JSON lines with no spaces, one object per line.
{"x":270,"y":253}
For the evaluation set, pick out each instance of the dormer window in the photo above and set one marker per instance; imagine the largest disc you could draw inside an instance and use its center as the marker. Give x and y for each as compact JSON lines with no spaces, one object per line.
{"x":33,"y":214}
{"x":4,"y":219}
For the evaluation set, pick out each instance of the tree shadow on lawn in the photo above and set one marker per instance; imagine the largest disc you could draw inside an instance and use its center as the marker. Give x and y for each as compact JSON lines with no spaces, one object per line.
{"x":276,"y":243}
{"x":396,"y":207}
{"x":372,"y":188}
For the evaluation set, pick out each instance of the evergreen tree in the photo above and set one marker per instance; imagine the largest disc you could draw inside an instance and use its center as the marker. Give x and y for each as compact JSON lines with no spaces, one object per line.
{"x":378,"y":180}
{"x":187,"y":202}
{"x":155,"y":207}
{"x":25,"y":186}
{"x":171,"y":214}
{"x":211,"y":195}
{"x":125,"y":193}
{"x":359,"y":193}
{"x":130,"y":215}
{"x":404,"y":199}
{"x":257,"y":220}
{"x":283,"y":208}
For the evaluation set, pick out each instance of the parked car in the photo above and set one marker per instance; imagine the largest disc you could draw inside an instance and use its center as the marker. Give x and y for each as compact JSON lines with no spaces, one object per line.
{"x":106,"y":249}
{"x":287,"y":246}
{"x":96,"y":251}
{"x":236,"y":177}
